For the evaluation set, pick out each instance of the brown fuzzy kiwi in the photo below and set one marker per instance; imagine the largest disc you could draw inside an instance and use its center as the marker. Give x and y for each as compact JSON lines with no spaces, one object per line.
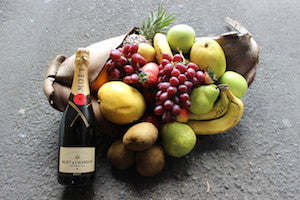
{"x":140,"y":136}
{"x":119,"y":156}
{"x":150,"y":161}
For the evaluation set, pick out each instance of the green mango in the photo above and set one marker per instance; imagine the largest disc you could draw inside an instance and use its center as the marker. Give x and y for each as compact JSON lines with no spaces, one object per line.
{"x":203,"y":98}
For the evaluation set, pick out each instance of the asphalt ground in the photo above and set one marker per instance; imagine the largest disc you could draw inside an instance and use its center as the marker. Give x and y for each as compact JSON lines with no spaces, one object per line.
{"x":257,"y":159}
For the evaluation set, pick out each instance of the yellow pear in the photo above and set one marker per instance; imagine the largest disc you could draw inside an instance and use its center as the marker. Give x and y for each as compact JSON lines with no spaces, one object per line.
{"x":209,"y":56}
{"x":147,"y":51}
{"x":121,"y":103}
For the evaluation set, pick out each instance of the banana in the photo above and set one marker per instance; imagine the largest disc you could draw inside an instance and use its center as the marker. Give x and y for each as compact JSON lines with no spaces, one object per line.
{"x":230,"y":119}
{"x":219,"y":109}
{"x":161,"y":46}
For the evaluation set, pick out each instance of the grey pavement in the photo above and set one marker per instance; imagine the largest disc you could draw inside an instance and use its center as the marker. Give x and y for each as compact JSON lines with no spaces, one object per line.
{"x":257,"y":159}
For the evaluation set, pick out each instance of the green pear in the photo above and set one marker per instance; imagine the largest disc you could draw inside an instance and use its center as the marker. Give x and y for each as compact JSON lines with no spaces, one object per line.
{"x":178,"y":139}
{"x":203,"y":98}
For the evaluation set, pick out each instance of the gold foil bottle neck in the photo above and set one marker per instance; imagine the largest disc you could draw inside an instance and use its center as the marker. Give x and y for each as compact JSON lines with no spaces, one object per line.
{"x":80,"y":79}
{"x":82,"y":57}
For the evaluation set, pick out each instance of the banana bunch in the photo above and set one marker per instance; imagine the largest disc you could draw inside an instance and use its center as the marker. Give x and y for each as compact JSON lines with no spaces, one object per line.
{"x":226,"y":113}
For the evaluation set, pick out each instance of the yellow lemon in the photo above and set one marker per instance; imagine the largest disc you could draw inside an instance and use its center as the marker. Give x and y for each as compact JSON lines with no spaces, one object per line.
{"x":147,"y":51}
{"x":121,"y":103}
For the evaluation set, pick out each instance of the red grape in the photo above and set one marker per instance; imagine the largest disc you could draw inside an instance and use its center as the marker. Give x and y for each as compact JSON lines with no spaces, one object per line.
{"x":134,"y":78}
{"x":195,"y":81}
{"x":168,"y":104}
{"x":115,"y":74}
{"x":127,"y":79}
{"x":174,"y":81}
{"x":193,"y":66}
{"x":176,"y":110}
{"x":134,"y":64}
{"x":167,"y":116}
{"x":159,"y":79}
{"x":126,"y":49}
{"x":163,"y":86}
{"x":161,"y":73}
{"x":160,"y":67}
{"x":165,"y":78}
{"x":128,"y":55}
{"x":159,"y":110}
{"x":164,"y":62}
{"x":190,"y":73}
{"x":168,"y":68}
{"x":134,"y":48}
{"x":110,"y":64}
{"x":128,"y":69}
{"x":167,"y":56}
{"x":176,"y":100}
{"x":184,"y":97}
{"x":181,"y":67}
{"x":189,"y":84}
{"x":122,"y":61}
{"x":177,"y":58}
{"x":186,"y":104}
{"x":175,"y":72}
{"x":200,"y":76}
{"x":136,"y":57}
{"x":115,"y":54}
{"x":181,"y":78}
{"x":172,"y":90}
{"x":182,"y":89}
{"x":158,"y":93}
{"x":164,"y":97}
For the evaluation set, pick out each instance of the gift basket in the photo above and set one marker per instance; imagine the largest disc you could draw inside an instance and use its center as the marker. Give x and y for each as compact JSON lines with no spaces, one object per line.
{"x":160,"y":88}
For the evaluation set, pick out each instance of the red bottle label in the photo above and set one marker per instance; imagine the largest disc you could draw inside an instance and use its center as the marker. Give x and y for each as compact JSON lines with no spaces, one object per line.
{"x":79,"y":99}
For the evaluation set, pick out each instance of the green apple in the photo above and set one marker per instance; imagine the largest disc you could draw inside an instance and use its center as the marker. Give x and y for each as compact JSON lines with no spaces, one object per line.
{"x":236,"y":82}
{"x":181,"y":37}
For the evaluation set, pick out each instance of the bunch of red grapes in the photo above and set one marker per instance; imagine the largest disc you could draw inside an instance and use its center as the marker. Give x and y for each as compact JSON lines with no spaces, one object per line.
{"x":124,"y":62}
{"x":176,"y":80}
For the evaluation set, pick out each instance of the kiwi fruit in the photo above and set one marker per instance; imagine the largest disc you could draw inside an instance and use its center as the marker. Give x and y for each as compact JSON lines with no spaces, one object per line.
{"x":150,"y":161}
{"x":119,"y":156}
{"x":140,"y":136}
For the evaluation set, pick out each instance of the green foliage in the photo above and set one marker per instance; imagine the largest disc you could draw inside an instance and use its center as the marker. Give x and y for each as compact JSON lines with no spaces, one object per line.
{"x":156,"y":23}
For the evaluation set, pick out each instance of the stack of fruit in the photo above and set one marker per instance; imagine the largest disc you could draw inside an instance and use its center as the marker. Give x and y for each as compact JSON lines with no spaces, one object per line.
{"x":180,"y":84}
{"x":160,"y":88}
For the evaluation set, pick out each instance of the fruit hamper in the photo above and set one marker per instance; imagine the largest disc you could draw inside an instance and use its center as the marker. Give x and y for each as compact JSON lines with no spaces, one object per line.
{"x":159,"y":87}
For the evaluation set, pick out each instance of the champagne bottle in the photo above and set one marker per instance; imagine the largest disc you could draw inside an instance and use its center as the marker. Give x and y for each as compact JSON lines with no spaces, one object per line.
{"x":77,"y":146}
